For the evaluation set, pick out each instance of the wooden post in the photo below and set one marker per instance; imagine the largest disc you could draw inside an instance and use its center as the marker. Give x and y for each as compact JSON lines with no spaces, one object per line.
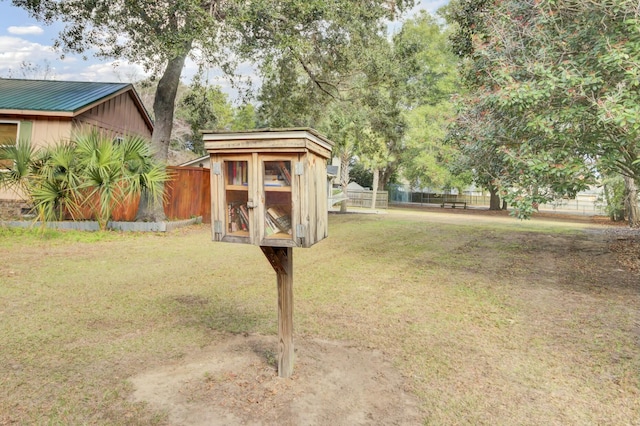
{"x":281,"y":259}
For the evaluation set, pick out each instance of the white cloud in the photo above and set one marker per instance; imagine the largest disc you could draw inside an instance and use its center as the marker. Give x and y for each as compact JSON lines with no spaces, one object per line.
{"x":14,"y":51}
{"x":26,"y":30}
{"x":113,"y":71}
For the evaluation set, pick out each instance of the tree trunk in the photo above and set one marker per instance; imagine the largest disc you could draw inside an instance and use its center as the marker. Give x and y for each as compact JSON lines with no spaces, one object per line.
{"x":385,"y":176}
{"x":494,"y":199}
{"x":374,"y":194}
{"x":344,"y":178}
{"x":631,"y":202}
{"x":163,"y":109}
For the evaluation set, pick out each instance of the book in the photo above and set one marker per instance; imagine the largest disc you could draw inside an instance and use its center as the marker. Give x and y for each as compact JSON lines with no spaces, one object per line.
{"x":284,"y":172}
{"x":270,"y":226}
{"x":281,"y":218}
{"x":238,"y":217}
{"x":237,"y":173}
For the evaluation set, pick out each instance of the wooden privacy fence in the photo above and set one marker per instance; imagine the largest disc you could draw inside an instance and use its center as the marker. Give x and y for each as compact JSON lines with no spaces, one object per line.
{"x":188,"y":193}
{"x":363,"y":198}
{"x":125,"y":212}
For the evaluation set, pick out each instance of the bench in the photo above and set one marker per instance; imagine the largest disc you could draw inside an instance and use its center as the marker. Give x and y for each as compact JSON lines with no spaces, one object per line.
{"x":453,"y":204}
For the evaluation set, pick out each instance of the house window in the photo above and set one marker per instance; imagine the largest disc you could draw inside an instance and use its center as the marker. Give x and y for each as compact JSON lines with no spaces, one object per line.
{"x":8,"y":137}
{"x":8,"y":132}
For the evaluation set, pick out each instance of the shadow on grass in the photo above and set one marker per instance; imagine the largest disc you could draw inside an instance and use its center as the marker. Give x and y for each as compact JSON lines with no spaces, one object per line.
{"x":221,"y":315}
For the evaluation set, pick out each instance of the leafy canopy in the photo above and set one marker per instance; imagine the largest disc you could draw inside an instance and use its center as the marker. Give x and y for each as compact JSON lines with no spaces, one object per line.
{"x":553,"y":92}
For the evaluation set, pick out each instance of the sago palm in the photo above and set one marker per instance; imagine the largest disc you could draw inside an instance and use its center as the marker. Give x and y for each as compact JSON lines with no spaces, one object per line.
{"x":93,"y":171}
{"x":55,"y":188}
{"x":18,"y":161}
{"x":116,"y":171}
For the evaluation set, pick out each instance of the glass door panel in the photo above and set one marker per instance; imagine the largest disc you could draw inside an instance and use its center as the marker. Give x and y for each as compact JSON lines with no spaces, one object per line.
{"x":237,"y":196}
{"x":276,"y":177}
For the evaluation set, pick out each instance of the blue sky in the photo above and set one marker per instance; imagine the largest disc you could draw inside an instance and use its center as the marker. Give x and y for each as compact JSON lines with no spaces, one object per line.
{"x":24,"y":39}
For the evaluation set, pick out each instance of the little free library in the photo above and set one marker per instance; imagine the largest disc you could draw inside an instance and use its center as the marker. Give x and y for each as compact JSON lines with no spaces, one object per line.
{"x":269,"y":188}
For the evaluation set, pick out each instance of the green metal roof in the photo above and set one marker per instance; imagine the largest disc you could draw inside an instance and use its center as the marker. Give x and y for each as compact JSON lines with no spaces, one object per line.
{"x":49,"y":95}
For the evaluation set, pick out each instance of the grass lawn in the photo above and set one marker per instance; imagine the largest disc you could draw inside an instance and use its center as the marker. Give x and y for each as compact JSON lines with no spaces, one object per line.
{"x":490,"y":320}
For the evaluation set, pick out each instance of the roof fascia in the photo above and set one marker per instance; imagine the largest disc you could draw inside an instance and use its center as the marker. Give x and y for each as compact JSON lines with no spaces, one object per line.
{"x":37,"y":113}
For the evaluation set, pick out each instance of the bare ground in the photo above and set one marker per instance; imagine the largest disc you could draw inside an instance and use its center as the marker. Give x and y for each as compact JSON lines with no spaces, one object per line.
{"x":236,"y":383}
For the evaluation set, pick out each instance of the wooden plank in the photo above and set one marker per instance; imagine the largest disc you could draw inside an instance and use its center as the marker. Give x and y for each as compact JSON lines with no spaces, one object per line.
{"x":184,"y":192}
{"x":256,"y":214}
{"x":269,"y":142}
{"x":310,"y":197}
{"x":281,"y":259}
{"x":278,"y":242}
{"x":270,"y":150}
{"x":285,"y":317}
{"x":322,"y":200}
{"x":217,"y":200}
{"x":298,"y":205}
{"x":205,"y":203}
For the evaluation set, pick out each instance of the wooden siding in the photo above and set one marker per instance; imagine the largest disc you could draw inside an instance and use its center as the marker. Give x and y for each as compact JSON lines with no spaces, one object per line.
{"x":7,"y":194}
{"x":119,"y":115}
{"x":188,"y":193}
{"x":45,"y":131}
{"x":50,"y":130}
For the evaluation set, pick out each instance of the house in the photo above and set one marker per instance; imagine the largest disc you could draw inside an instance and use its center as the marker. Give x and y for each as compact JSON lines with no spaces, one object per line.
{"x":203,"y":161}
{"x":46,"y":112}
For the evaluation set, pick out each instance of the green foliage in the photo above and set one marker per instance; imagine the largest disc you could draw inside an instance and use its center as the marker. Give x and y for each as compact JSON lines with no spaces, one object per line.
{"x":361,"y":175}
{"x":467,"y":17}
{"x":614,"y":195}
{"x":92,"y":171}
{"x":244,"y":118}
{"x":364,"y":95}
{"x":427,"y":79}
{"x":204,"y":107}
{"x":315,"y":36}
{"x":426,"y":160}
{"x":554,"y":93}
{"x":18,"y":163}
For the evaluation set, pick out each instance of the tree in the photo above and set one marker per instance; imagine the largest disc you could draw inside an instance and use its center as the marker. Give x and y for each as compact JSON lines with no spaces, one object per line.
{"x":377,"y":82}
{"x":477,"y":141}
{"x":341,"y":125}
{"x":244,"y":117}
{"x":474,"y":133}
{"x":374,"y":156}
{"x":204,"y":107}
{"x":160,"y":35}
{"x":359,"y":174}
{"x":347,"y":84}
{"x":29,"y":70}
{"x":556,"y":80}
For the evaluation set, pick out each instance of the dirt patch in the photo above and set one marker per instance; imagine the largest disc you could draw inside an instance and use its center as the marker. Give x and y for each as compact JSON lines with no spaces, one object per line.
{"x":235,"y":383}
